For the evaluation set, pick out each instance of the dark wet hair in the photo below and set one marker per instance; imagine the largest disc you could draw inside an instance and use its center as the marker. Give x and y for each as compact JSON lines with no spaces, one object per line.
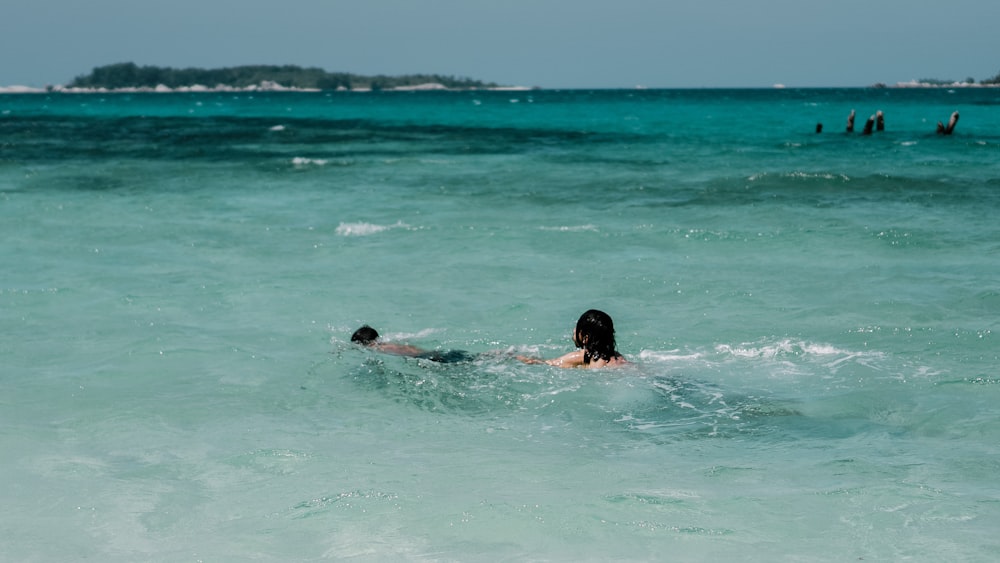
{"x":595,"y":333}
{"x":365,"y":336}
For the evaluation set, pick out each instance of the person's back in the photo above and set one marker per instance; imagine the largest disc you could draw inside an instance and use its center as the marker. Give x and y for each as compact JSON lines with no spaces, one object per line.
{"x":368,"y":337}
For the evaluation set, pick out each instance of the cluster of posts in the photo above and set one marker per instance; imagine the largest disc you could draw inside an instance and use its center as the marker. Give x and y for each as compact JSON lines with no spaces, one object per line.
{"x":877,"y":122}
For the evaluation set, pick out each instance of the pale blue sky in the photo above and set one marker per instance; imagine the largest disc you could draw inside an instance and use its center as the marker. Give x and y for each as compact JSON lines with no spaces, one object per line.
{"x":547,"y":43}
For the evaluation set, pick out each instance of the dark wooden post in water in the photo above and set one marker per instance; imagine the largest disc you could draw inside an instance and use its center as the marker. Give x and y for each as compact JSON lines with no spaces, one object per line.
{"x":869,"y":125}
{"x":946,"y":130}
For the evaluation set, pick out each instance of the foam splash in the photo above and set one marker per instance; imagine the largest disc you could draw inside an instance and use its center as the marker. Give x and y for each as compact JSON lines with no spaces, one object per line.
{"x":571,"y":229}
{"x":799,"y":176}
{"x":406,"y":336}
{"x":789,"y":353}
{"x":792,"y":354}
{"x":300,"y":161}
{"x":366,"y":229}
{"x":668,"y":356}
{"x":784,"y":347}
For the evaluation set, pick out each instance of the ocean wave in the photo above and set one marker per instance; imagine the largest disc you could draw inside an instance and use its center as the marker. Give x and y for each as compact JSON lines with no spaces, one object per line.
{"x":365,"y":229}
{"x":571,"y":228}
{"x":780,"y":351}
{"x":799,"y":176}
{"x":787,"y":356}
{"x":784,"y":347}
{"x":668,"y":356}
{"x":301,"y":161}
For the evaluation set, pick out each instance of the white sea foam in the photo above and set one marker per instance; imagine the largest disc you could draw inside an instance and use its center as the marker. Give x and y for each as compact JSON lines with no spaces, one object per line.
{"x":749,"y":351}
{"x":278,"y":128}
{"x":787,"y":348}
{"x":571,"y":228}
{"x":301,"y":161}
{"x":800,"y":175}
{"x":668,"y":356}
{"x":406,"y":336}
{"x":365,"y":229}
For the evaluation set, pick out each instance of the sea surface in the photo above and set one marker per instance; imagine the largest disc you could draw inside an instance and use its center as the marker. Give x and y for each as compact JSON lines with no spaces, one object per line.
{"x":812,"y":323}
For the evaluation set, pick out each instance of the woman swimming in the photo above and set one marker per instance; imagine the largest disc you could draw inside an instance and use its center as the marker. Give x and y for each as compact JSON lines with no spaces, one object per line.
{"x":595,"y":337}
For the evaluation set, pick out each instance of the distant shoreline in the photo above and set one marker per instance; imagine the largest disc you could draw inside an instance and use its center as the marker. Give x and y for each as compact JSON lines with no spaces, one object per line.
{"x":916,"y":84}
{"x":131,"y":78}
{"x":267,"y":86}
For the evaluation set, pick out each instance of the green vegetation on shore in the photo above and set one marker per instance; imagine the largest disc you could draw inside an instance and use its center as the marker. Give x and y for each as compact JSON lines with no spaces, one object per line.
{"x":130,"y":75}
{"x":995,"y":80}
{"x":968,"y":81}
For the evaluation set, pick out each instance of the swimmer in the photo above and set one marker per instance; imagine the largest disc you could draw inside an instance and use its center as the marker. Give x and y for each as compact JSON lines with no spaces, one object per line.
{"x":850,"y":122}
{"x":368,"y":337}
{"x":879,"y":121}
{"x":595,"y":337}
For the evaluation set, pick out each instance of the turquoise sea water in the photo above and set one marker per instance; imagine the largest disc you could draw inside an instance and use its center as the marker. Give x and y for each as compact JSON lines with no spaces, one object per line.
{"x":812,"y":320}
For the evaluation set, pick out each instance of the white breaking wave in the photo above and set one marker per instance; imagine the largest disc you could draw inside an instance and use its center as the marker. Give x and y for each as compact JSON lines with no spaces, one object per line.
{"x":303,"y":161}
{"x":365,"y":229}
{"x":571,"y":228}
{"x":668,"y":356}
{"x":783,"y":347}
{"x":799,"y":175}
{"x":786,"y":350}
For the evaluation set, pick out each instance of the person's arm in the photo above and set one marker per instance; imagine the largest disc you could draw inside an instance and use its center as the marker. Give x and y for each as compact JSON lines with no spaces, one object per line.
{"x":572,"y":360}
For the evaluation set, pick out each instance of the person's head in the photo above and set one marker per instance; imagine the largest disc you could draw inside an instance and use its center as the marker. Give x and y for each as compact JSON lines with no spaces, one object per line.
{"x":365,"y":336}
{"x":595,"y":333}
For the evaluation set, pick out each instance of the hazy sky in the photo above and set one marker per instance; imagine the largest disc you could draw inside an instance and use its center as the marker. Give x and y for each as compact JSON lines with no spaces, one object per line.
{"x":547,"y":43}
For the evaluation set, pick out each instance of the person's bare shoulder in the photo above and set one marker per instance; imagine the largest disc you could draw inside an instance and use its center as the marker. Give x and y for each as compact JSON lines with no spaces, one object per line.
{"x":612,"y":363}
{"x":571,"y":360}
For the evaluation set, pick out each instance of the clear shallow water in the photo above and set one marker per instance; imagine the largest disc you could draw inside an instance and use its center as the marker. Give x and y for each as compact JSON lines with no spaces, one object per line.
{"x":812,"y":319}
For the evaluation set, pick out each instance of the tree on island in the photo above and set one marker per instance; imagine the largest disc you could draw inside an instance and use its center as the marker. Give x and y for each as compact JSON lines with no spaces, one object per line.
{"x":994,"y":80}
{"x":130,"y":75}
{"x":969,"y":81}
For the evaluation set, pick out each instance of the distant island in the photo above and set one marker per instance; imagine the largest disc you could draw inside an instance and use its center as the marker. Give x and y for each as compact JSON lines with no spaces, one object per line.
{"x":130,"y":77}
{"x":938,"y":83}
